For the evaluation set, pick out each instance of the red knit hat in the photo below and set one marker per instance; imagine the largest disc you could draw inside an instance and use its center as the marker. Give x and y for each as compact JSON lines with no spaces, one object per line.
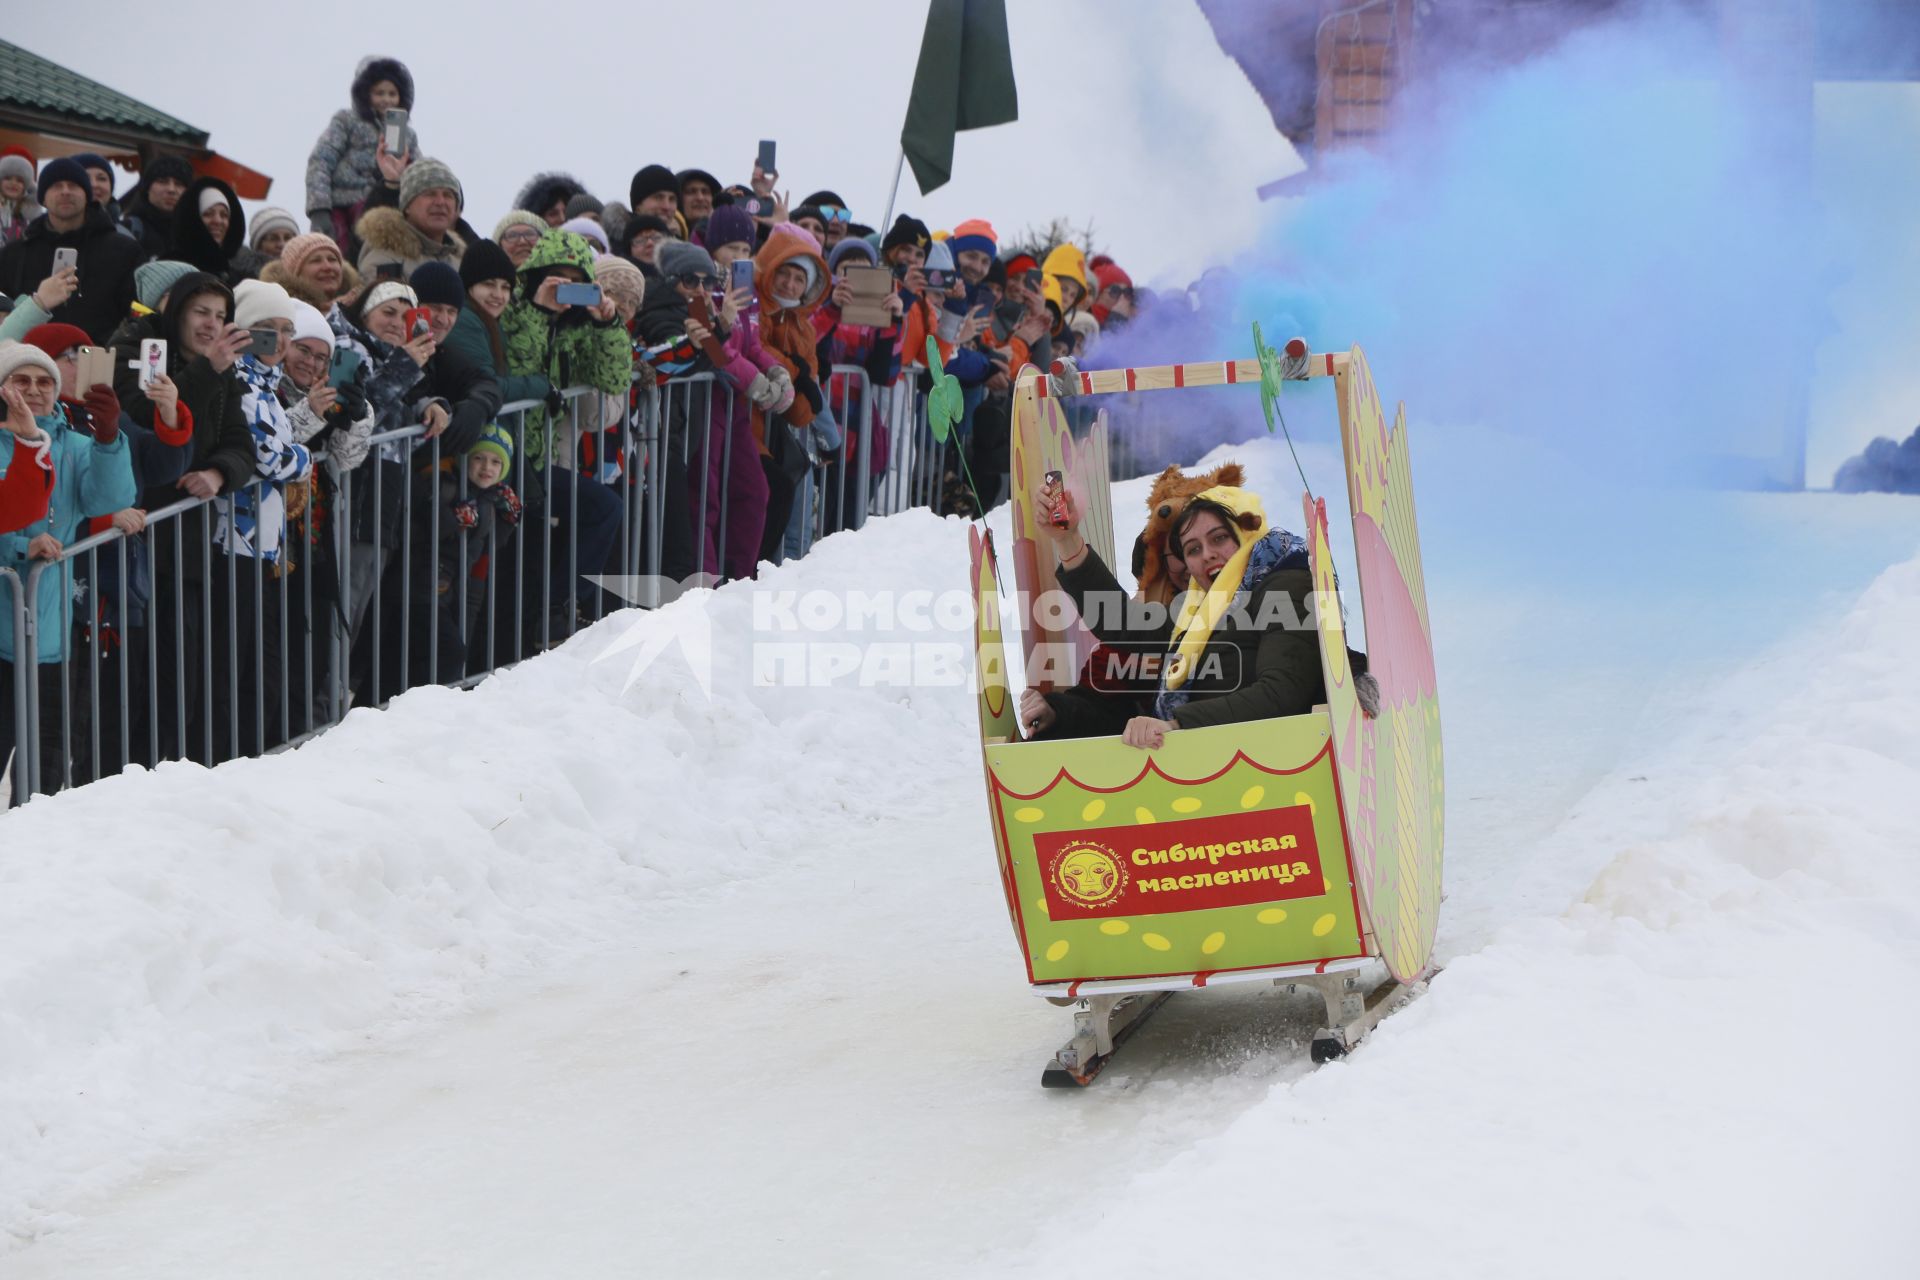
{"x":1108,"y":273}
{"x":20,"y":151}
{"x":56,"y":339}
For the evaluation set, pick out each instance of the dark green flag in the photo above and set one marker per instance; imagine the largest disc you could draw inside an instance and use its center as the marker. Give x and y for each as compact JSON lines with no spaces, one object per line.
{"x":964,"y":81}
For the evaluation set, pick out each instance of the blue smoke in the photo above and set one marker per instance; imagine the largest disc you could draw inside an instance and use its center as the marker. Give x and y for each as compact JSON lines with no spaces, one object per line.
{"x":1598,"y":278}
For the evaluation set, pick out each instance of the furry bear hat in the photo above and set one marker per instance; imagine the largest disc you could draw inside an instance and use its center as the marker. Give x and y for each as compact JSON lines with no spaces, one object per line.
{"x":1171,"y":492}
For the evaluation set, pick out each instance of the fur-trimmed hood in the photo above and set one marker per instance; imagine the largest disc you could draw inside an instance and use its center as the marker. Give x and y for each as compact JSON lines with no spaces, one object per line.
{"x":541,"y":190}
{"x":372,"y":70}
{"x":385,"y":228}
{"x":192,"y":242}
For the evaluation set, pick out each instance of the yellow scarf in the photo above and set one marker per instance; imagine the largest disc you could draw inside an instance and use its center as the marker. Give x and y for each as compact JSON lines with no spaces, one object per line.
{"x":1201,"y":611}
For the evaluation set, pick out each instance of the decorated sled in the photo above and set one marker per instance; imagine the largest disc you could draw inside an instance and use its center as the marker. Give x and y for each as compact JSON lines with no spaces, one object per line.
{"x":1304,"y":850}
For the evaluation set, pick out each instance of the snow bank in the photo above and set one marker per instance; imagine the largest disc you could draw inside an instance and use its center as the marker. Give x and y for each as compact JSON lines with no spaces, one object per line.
{"x":1701,"y":1066}
{"x":174,"y":944}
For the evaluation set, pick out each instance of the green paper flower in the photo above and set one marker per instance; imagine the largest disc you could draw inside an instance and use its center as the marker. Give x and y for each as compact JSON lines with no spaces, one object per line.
{"x":944,"y":402}
{"x":1270,"y":375}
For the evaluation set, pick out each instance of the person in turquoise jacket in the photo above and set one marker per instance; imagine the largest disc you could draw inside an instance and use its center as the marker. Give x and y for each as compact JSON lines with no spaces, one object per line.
{"x":93,"y":476}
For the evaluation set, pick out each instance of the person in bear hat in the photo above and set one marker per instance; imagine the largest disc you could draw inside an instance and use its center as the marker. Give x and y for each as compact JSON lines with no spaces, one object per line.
{"x":1230,"y":653}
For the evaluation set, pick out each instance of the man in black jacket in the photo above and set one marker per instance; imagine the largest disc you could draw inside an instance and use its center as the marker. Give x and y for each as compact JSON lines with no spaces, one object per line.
{"x":73,"y":221}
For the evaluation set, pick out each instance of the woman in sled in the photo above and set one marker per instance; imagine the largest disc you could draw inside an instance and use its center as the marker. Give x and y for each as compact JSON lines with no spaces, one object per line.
{"x":1239,"y":644}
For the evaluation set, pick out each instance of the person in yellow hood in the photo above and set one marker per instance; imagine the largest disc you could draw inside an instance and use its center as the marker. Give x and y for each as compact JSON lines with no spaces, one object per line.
{"x":1239,"y":645}
{"x":1068,"y":265}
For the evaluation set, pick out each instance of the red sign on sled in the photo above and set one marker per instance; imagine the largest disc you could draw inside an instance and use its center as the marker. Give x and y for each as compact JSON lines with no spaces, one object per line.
{"x":1266,"y":855}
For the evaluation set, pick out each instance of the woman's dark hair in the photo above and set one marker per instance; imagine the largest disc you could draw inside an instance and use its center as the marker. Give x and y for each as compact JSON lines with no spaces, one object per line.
{"x":1194,"y":509}
{"x":494,"y":339}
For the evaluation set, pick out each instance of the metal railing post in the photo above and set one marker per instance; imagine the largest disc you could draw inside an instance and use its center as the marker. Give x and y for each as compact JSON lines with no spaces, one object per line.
{"x":26,"y":731}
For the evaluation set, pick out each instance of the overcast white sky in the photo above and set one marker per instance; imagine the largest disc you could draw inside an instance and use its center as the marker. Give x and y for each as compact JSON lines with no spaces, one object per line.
{"x":1129,"y":112}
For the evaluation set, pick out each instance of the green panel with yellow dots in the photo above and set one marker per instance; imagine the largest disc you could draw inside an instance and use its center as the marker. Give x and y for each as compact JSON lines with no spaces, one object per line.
{"x":1130,"y":802}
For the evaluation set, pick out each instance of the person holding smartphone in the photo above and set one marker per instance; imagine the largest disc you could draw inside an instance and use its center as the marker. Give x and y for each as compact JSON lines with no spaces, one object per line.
{"x":92,"y":476}
{"x":344,"y":166}
{"x":572,"y":346}
{"x":203,"y":348}
{"x":74,"y":231}
{"x":728,"y":345}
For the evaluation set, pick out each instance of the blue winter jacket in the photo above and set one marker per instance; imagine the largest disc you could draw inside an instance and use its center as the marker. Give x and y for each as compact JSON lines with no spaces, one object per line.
{"x":89,"y":479}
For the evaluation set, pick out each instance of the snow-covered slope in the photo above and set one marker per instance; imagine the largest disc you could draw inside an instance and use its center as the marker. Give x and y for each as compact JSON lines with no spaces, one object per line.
{"x":1702,"y":1066}
{"x":586,"y":966}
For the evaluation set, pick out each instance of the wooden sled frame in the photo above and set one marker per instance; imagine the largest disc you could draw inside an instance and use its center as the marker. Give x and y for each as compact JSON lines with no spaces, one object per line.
{"x":1319,"y":837}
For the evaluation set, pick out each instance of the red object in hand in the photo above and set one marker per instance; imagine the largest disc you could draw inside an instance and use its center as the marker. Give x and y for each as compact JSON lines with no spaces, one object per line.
{"x":1057,"y":513}
{"x":103,"y":407}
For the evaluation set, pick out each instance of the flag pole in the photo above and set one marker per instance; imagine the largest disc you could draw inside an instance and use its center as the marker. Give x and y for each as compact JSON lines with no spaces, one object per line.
{"x":893,"y":192}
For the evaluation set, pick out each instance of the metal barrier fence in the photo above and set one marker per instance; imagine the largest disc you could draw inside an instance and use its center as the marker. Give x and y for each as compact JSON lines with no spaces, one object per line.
{"x":392,"y":575}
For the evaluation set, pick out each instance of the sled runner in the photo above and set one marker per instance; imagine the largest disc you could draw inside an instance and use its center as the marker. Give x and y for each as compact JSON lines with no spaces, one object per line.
{"x":1303,"y":850}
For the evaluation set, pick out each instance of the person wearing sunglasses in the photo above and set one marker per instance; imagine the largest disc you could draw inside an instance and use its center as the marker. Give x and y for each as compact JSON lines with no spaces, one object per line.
{"x":832,"y":215}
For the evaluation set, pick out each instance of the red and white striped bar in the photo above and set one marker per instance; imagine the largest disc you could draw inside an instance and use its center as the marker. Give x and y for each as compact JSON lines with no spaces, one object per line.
{"x":1166,"y":377}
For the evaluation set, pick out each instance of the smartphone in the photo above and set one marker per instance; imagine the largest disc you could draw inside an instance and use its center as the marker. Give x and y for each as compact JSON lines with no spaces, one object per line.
{"x":948,"y":326}
{"x":66,"y":258}
{"x":266,"y":342}
{"x":419,"y":321}
{"x":936,"y":281}
{"x":93,"y":366}
{"x":740,"y":275}
{"x":396,"y":130}
{"x":1006,"y":318}
{"x":344,"y":367}
{"x":1057,"y":514}
{"x":767,"y":166}
{"x":153,"y":361}
{"x":389,"y":271}
{"x":577,"y":295}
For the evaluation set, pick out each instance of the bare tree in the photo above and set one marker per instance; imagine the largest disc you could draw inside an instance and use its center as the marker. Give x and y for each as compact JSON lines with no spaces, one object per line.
{"x":1039,"y":241}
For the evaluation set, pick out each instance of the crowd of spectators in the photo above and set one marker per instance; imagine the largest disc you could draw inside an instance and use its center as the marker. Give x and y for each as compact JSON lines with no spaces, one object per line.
{"x":389,"y":309}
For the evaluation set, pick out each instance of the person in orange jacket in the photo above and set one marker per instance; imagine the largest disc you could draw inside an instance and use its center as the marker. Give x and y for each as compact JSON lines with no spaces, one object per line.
{"x":790,"y":278}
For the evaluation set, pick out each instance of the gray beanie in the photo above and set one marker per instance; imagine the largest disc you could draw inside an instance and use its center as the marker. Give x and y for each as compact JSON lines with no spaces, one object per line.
{"x":15,"y":165}
{"x":583,"y":203}
{"x":427,"y":174}
{"x":151,"y":280}
{"x":270,"y":219}
{"x":676,"y":258}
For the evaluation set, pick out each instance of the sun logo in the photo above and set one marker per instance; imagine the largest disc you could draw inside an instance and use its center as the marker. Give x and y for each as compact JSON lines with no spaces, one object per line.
{"x":1088,"y":875}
